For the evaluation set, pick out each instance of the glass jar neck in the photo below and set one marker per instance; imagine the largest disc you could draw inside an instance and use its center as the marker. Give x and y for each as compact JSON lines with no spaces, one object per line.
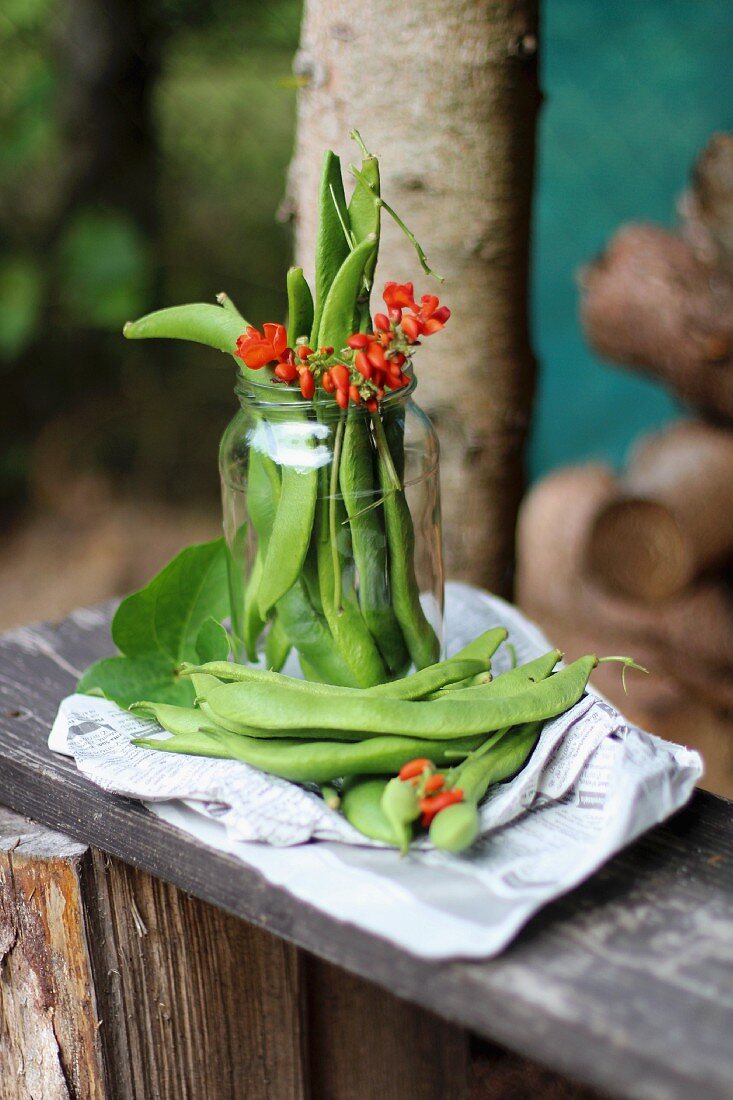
{"x":270,"y":396}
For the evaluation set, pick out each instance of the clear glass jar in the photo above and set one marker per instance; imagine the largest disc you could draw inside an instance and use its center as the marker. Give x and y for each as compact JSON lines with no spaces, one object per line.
{"x":332,"y":524}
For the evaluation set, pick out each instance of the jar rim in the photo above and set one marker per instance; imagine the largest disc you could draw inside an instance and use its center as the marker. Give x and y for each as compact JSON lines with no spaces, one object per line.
{"x":247,"y":388}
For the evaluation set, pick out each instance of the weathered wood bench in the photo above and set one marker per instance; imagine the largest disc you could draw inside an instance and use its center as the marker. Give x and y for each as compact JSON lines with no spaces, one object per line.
{"x":139,"y":964}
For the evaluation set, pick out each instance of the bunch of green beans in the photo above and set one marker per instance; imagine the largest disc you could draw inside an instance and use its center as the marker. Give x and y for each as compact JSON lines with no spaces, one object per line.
{"x":434,"y":740}
{"x":331,"y":548}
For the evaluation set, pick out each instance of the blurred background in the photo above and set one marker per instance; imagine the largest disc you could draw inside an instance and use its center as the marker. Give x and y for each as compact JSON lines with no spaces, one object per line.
{"x":142,"y":163}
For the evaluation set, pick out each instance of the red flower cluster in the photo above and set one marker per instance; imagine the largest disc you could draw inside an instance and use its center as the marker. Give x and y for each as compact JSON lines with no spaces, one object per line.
{"x":429,"y":317}
{"x":370,"y":364}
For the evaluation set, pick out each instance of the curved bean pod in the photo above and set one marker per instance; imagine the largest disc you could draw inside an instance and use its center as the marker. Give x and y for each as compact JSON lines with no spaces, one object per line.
{"x":414,"y":686}
{"x":313,"y":762}
{"x":361,"y":805}
{"x":369,"y":543}
{"x":282,"y":708}
{"x":421,"y":639}
{"x":300,"y":306}
{"x":485,"y":645}
{"x":332,"y":245}
{"x":508,"y":683}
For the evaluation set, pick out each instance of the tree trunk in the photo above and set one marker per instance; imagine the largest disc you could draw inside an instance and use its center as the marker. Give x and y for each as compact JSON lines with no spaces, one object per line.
{"x":447,"y":96}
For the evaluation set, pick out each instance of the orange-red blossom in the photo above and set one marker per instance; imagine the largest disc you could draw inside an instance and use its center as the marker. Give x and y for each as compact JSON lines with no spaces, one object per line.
{"x":370,"y":364}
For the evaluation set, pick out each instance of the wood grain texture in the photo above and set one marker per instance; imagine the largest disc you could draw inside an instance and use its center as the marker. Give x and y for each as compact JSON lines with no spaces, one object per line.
{"x":118,"y":986}
{"x":364,"y":1042}
{"x":625,"y":984}
{"x":50,"y":1046}
{"x":195,"y":1002}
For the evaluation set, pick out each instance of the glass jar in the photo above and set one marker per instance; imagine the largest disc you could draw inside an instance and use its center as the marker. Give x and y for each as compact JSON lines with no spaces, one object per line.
{"x":332,"y":525}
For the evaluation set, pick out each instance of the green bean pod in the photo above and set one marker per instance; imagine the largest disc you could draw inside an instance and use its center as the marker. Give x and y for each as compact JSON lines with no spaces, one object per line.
{"x":277,"y":646}
{"x":283,"y":708}
{"x":415,"y":686}
{"x":309,"y":762}
{"x":332,"y":244}
{"x":361,"y":805}
{"x":305,"y":628}
{"x":485,"y":645}
{"x":300,"y":306}
{"x":365,"y":219}
{"x":351,"y":634}
{"x":421,"y":639}
{"x":456,"y":827}
{"x":369,"y":543}
{"x":199,"y":323}
{"x":512,"y":682}
{"x":288,"y":543}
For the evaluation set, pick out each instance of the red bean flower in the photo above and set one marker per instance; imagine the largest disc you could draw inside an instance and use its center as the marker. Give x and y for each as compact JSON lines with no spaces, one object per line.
{"x":399,"y":296}
{"x":431,"y":315}
{"x":259,"y":348}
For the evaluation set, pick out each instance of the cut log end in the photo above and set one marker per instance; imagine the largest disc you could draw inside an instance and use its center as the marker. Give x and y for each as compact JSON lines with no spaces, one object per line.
{"x":635,"y":549}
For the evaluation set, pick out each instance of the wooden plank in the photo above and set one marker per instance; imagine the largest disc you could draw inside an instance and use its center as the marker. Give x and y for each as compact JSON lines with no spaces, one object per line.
{"x":626,"y":984}
{"x":50,"y":1047}
{"x":194,"y":1002}
{"x":364,"y":1042}
{"x":118,"y":985}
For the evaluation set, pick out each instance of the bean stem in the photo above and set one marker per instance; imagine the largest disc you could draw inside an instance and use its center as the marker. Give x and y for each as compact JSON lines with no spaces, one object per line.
{"x":359,"y":175}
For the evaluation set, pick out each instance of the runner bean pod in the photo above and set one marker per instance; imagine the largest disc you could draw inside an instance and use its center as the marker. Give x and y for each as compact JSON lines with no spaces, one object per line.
{"x":282,"y":708}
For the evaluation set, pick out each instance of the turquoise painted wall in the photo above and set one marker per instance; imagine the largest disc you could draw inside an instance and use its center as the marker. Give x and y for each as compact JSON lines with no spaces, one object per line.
{"x":634,"y":88}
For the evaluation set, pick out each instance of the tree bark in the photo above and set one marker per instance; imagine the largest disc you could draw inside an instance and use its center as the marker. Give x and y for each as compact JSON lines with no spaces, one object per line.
{"x":447,"y":96}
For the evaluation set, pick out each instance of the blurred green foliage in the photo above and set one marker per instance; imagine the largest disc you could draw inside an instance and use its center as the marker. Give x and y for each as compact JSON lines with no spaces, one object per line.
{"x":79,"y":255}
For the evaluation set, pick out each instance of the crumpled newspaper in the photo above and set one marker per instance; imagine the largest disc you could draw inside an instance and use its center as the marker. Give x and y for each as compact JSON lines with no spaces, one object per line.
{"x":592,"y":785}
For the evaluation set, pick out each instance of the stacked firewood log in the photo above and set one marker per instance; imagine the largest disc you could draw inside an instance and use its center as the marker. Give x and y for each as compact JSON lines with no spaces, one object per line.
{"x":643,"y":561}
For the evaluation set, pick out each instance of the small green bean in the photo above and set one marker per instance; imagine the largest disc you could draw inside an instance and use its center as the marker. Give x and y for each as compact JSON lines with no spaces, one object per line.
{"x":401,"y":807}
{"x":456,"y":827}
{"x":300,"y":306}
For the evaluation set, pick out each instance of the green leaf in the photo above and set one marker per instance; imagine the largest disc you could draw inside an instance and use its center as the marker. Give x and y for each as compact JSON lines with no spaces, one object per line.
{"x":212,"y":642}
{"x":126,"y":680}
{"x":165,"y":617}
{"x":167,"y":622}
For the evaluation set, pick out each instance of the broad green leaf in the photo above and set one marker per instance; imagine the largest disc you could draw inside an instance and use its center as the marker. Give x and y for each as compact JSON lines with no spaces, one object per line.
{"x":166,"y":616}
{"x":167,"y":622}
{"x":126,"y":680}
